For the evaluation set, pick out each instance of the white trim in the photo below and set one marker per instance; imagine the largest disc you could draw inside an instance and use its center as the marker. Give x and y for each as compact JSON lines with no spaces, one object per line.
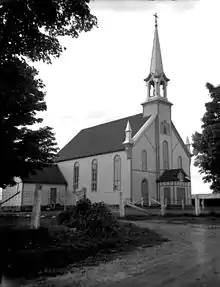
{"x":148,"y":123}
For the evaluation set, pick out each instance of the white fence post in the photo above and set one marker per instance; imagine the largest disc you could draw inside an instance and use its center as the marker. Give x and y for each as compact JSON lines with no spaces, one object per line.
{"x":203,"y":204}
{"x":197,"y":206}
{"x":142,"y":202}
{"x":36,"y":210}
{"x":163,"y":209}
{"x":122,"y":204}
{"x":182,"y":204}
{"x":6,"y":282}
{"x":165,"y":202}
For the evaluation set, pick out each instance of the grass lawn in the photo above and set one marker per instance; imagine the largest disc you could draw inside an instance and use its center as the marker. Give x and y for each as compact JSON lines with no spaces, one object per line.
{"x":51,"y":249}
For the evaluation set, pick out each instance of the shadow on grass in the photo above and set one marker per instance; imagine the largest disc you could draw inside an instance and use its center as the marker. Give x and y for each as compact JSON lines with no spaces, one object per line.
{"x":48,"y":251}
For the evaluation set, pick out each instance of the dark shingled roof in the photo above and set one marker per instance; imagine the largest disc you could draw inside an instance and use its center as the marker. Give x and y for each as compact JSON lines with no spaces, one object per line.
{"x":101,"y":139}
{"x":172,"y":175}
{"x":48,"y":175}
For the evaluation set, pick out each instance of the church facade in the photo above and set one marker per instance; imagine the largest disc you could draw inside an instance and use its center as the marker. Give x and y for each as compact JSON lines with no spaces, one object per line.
{"x":142,"y":156}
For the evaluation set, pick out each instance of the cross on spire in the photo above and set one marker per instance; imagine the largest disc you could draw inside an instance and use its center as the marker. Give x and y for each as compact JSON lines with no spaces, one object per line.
{"x":156,"y":17}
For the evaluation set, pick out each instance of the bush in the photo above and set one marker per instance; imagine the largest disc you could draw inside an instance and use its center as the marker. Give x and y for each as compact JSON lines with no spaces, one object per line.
{"x":94,"y":219}
{"x":65,"y":216}
{"x":83,"y":206}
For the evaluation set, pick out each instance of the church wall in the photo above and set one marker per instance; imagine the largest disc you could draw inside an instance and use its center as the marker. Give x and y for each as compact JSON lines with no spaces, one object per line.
{"x":28,"y":194}
{"x":165,"y":115}
{"x":66,"y":167}
{"x":165,"y":112}
{"x":150,"y":109}
{"x":146,"y":142}
{"x":10,"y":191}
{"x":105,"y":178}
{"x":178,"y":150}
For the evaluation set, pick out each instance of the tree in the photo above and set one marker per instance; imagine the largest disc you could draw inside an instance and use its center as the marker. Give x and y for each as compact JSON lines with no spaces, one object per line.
{"x":23,"y":149}
{"x":29,"y":31}
{"x":31,"y":28}
{"x":207,"y":143}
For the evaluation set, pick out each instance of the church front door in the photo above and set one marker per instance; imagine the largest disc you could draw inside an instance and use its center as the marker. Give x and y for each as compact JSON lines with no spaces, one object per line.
{"x":181,"y":196}
{"x":144,"y":191}
{"x":167,"y":195}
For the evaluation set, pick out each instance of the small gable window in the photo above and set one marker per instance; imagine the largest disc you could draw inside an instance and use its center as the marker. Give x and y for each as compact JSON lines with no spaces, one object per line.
{"x":165,"y":128}
{"x":94,"y":174}
{"x":180,"y":176}
{"x":165,"y":155}
{"x":144,"y":160}
{"x":76,"y":176}
{"x":180,"y":162}
{"x":117,"y":173}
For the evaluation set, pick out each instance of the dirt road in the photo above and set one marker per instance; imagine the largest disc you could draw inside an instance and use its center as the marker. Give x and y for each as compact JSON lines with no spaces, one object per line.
{"x":192,"y":258}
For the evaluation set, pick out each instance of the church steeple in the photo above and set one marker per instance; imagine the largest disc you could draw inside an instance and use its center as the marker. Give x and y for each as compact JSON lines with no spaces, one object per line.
{"x":157,"y":80}
{"x":156,"y":59}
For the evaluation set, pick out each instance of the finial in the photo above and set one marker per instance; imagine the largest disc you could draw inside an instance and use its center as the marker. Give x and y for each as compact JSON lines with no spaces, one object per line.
{"x":187,"y":141}
{"x":128,"y":134}
{"x":128,"y":127}
{"x":155,"y":15}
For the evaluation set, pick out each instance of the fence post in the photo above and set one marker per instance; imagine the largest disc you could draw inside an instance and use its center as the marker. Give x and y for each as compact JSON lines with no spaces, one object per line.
{"x":197,"y":206}
{"x":163,"y":209}
{"x":36,"y":210}
{"x":182,"y":204}
{"x":203,"y":204}
{"x":122,"y":204}
{"x":7,"y":282}
{"x":165,"y":202}
{"x":142,"y":202}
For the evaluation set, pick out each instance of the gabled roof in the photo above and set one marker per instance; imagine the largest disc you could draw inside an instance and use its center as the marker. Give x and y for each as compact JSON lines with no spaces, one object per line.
{"x":101,"y":139}
{"x":172,"y":175}
{"x":181,"y":141}
{"x":48,"y":175}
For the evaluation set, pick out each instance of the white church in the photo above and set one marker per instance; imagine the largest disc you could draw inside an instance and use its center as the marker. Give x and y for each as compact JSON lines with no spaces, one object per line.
{"x":142,"y":156}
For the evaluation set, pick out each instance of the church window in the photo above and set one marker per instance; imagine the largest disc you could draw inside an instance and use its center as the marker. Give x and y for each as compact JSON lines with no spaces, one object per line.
{"x":144,"y":160}
{"x":117,"y":173}
{"x":180,"y":162}
{"x":165,"y":155}
{"x":76,"y":176}
{"x":94,"y":174}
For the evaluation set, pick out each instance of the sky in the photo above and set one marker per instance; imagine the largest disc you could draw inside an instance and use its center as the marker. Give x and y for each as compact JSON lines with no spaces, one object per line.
{"x":100,"y":76}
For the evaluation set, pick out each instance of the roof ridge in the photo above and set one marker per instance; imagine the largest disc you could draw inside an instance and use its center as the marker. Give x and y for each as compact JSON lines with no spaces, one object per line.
{"x":110,"y":122}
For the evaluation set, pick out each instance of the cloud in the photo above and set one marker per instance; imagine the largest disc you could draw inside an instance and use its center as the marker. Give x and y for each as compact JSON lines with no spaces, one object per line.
{"x":134,"y":5}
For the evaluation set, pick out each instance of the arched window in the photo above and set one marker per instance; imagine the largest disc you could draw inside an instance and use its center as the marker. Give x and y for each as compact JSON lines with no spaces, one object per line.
{"x":94,"y":174}
{"x":144,"y":160}
{"x":165,"y":155}
{"x":117,"y":173}
{"x":180,"y":162}
{"x":76,"y":176}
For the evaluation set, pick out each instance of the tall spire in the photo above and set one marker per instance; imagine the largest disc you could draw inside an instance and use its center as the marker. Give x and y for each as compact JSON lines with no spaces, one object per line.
{"x":156,"y":80}
{"x":156,"y":59}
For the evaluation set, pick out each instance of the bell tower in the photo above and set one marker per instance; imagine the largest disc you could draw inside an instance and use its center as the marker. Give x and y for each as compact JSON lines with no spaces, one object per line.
{"x":156,"y":81}
{"x":158,"y":106}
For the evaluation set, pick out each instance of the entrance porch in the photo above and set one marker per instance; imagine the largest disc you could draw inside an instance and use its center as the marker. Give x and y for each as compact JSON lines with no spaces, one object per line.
{"x":174,"y":188}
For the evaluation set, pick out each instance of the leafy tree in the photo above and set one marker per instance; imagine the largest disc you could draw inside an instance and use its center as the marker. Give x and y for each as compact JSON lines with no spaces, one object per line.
{"x":29,"y":31}
{"x":31,"y":28}
{"x":23,"y":149}
{"x":207,"y":143}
